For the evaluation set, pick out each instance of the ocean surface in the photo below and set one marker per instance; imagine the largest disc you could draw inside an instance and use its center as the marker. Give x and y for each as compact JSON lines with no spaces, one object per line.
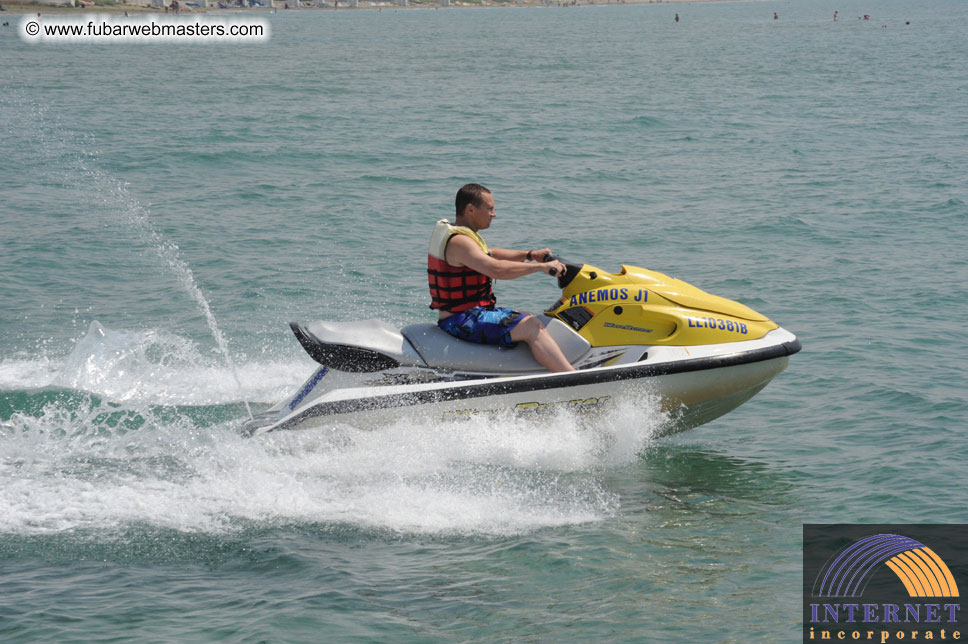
{"x":167,"y":209}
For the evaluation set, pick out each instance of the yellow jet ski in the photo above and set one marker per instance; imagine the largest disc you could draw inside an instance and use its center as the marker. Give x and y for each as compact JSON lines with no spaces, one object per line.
{"x":701,"y":354}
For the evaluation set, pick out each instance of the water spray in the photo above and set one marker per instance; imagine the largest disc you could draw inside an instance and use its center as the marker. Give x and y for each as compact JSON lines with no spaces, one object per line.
{"x":135,"y":215}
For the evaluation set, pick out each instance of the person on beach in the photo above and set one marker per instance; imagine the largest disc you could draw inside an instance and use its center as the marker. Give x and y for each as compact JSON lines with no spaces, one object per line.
{"x":460,"y":270}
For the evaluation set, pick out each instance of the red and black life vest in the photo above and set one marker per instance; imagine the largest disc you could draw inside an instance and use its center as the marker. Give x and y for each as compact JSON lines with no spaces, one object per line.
{"x":456,"y":288}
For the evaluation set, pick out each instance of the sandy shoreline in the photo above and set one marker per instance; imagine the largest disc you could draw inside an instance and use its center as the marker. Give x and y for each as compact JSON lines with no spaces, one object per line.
{"x":143,"y":8}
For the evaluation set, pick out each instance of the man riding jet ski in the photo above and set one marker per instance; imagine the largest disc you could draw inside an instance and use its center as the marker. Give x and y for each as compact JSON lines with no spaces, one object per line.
{"x":460,"y":269}
{"x":606,"y":337}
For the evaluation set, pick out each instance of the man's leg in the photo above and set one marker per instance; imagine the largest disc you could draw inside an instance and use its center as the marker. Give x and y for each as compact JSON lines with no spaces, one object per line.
{"x":543,"y":346}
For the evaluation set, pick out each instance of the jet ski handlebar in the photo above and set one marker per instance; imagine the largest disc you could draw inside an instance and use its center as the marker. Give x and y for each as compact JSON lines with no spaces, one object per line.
{"x":550,"y":258}
{"x":571,"y":270}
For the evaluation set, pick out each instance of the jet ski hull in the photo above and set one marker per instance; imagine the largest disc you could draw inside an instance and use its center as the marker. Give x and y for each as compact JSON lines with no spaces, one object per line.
{"x":694,"y":384}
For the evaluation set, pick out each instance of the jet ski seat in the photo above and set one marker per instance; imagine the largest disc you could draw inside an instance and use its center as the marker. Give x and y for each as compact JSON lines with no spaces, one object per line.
{"x":441,"y":350}
{"x":373,"y":345}
{"x":362,"y":346}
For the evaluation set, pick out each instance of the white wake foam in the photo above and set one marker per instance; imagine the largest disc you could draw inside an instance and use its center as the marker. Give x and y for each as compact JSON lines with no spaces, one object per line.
{"x":152,"y":367}
{"x":103,"y":467}
{"x":143,"y":436}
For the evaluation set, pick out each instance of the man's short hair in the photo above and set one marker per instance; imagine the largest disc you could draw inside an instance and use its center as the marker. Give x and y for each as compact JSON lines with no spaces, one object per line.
{"x":472,"y":193}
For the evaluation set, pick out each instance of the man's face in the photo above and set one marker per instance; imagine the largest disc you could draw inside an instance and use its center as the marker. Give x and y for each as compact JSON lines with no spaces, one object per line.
{"x":479,"y":217}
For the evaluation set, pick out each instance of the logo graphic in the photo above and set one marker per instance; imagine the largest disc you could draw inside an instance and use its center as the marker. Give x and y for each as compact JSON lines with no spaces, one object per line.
{"x":919,"y":568}
{"x":883,"y":583}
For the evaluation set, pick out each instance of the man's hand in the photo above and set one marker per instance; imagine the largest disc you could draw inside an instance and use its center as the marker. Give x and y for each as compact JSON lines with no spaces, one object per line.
{"x":559,"y":268}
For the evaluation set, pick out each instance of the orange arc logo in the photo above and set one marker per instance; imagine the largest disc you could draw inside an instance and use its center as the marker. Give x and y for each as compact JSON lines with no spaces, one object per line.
{"x":919,"y":568}
{"x":923,"y":573}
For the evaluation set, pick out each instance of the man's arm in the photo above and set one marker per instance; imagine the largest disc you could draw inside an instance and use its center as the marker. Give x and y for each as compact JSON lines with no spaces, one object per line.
{"x":463,"y":251}
{"x":520,"y":255}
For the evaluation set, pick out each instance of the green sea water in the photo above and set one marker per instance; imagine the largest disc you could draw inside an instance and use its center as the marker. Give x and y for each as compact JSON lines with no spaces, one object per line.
{"x":159,"y":202}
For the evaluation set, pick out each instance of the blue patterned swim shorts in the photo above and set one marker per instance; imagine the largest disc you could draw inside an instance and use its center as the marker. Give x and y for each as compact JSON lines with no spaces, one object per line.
{"x":483,"y":325}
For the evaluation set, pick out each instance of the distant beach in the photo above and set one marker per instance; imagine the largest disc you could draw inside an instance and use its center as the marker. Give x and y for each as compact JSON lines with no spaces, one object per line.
{"x":101,"y":6}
